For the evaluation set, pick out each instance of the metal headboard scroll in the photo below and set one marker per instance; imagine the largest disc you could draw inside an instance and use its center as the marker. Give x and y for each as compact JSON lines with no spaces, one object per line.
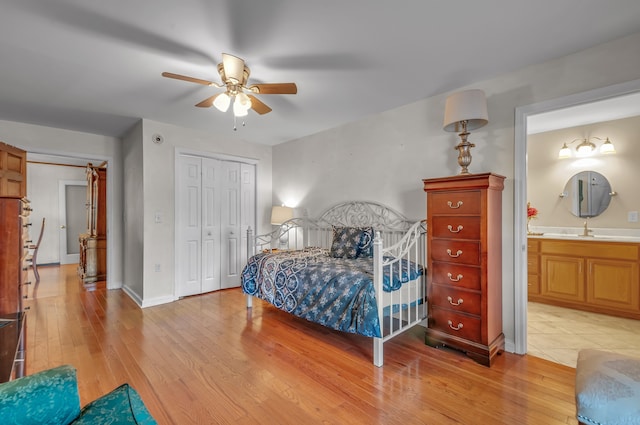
{"x":362,"y":213}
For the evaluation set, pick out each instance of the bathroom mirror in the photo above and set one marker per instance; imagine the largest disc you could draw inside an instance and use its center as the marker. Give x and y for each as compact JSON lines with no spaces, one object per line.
{"x":588,"y":194}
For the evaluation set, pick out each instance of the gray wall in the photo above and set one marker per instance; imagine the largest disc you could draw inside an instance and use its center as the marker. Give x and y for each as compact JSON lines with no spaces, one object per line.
{"x":386,"y":156}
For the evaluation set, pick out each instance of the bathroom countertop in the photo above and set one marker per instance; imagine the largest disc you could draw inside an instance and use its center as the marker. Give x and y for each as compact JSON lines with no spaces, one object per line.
{"x":590,"y":238}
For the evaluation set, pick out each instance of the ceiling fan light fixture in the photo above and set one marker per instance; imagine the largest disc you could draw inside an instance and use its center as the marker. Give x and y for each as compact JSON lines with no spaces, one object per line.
{"x":244,"y":100}
{"x":222,"y":102}
{"x":240,"y":110}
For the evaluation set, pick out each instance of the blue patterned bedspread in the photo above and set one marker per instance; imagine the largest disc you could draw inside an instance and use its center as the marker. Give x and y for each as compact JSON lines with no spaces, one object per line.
{"x":334,"y":292}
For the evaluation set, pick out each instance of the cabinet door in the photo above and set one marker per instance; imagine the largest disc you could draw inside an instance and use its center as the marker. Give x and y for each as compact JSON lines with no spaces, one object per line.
{"x":563,"y":277}
{"x":613,"y":284}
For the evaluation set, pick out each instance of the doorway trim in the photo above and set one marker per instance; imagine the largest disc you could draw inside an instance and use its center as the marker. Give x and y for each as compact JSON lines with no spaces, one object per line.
{"x":62,"y":185}
{"x":520,"y":190}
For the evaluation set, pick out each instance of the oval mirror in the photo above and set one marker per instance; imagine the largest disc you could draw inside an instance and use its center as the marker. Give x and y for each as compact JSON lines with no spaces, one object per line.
{"x":588,"y":194}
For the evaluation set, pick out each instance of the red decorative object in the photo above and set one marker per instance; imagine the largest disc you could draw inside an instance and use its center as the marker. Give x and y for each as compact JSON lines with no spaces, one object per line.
{"x":531,"y":211}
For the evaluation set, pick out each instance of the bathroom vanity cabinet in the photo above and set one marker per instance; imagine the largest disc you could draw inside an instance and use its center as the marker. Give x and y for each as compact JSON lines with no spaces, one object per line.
{"x":585,"y":274}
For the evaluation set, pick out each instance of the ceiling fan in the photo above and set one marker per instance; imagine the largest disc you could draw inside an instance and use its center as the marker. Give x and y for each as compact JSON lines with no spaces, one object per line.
{"x":235,"y":74}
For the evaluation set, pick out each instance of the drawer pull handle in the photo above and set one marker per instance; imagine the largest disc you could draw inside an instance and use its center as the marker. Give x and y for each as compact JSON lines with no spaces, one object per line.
{"x":457,"y":254}
{"x":457,"y":328}
{"x":450,"y":227}
{"x":460,"y":301}
{"x":458,"y":205}
{"x":454,"y":279}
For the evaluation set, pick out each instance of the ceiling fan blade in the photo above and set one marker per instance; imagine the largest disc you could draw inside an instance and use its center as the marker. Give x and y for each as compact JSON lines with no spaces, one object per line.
{"x":190,"y":79}
{"x":233,"y":68}
{"x":275,"y":88}
{"x":258,"y":106}
{"x":208,"y":102}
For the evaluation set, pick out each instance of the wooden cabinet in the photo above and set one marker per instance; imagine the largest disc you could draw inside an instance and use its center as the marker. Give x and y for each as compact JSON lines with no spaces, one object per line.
{"x":464,"y":264}
{"x":590,"y":275}
{"x":93,"y":244}
{"x":533,"y":267}
{"x":13,"y":171}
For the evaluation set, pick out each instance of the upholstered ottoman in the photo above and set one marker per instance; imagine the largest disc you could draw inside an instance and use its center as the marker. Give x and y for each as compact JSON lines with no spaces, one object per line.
{"x":607,"y":388}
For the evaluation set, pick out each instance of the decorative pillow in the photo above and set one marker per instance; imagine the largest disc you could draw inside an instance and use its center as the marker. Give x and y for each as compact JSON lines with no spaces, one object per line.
{"x":365,"y":248}
{"x":123,"y":405}
{"x":352,"y":242}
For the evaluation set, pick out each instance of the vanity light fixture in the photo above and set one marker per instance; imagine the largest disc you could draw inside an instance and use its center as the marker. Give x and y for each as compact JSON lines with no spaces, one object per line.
{"x":464,"y":111}
{"x":586,"y":148}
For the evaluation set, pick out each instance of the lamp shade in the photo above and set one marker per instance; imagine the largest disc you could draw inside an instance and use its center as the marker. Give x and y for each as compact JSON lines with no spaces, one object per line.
{"x":281,"y":214}
{"x":222,"y":102}
{"x":469,"y":106}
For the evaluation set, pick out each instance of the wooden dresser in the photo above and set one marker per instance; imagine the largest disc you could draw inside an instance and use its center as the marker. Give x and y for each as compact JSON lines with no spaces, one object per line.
{"x":464,"y":264}
{"x":14,"y":240}
{"x":93,"y":244}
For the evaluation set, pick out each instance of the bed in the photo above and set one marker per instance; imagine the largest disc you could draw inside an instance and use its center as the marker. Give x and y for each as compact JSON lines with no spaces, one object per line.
{"x":357,"y":268}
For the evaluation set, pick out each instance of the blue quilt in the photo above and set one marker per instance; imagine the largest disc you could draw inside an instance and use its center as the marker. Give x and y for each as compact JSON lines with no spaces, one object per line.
{"x":335,"y":292}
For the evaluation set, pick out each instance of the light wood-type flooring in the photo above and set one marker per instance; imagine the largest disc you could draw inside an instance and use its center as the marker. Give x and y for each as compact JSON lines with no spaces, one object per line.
{"x":203,"y":360}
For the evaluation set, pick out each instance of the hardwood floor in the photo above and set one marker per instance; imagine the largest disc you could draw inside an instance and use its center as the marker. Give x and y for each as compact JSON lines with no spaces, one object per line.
{"x":202,"y":360}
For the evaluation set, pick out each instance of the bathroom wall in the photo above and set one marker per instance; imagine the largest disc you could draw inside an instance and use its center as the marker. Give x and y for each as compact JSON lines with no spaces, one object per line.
{"x":548,"y":175}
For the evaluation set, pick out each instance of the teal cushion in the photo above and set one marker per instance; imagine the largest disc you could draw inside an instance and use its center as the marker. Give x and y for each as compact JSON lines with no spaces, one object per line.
{"x":47,"y":397}
{"x":121,"y":406}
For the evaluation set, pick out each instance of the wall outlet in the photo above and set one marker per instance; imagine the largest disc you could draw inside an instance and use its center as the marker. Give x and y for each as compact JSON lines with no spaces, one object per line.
{"x":158,"y":217}
{"x":632,"y":216}
{"x":156,"y":268}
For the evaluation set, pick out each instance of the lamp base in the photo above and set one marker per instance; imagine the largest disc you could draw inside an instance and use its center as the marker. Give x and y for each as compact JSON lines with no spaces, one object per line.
{"x":464,"y":153}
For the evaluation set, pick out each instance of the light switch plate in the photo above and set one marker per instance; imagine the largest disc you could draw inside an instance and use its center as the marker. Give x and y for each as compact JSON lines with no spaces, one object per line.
{"x":632,"y":216}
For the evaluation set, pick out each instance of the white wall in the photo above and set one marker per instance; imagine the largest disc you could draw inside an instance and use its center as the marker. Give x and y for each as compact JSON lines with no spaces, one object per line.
{"x":43,"y":192}
{"x":133,"y":213}
{"x":156,"y":196}
{"x":385,"y":157}
{"x":55,"y":141}
{"x":547,"y":175}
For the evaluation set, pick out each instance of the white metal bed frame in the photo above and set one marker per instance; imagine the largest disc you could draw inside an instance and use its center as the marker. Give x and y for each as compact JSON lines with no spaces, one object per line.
{"x":405,"y":240}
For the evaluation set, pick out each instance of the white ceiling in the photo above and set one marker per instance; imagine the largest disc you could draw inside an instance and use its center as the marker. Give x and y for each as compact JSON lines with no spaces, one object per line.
{"x":95,"y":66}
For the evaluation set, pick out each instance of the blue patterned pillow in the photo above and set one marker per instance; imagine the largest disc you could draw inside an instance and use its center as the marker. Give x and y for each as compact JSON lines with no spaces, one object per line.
{"x":352,"y":242}
{"x":365,"y":248}
{"x":121,"y":406}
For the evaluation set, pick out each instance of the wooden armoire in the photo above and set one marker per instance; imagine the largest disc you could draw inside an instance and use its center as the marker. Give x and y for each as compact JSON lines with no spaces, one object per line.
{"x":93,"y":243}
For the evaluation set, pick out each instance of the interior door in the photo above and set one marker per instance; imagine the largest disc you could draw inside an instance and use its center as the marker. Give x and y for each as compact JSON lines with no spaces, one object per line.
{"x":210,"y":234}
{"x":72,"y":200}
{"x":230,"y":225}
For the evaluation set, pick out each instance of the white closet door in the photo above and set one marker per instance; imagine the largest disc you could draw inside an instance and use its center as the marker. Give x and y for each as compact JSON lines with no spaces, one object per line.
{"x":189,"y":226}
{"x":247,"y":207}
{"x":216,"y":206}
{"x":230,"y":225}
{"x":210,"y":225}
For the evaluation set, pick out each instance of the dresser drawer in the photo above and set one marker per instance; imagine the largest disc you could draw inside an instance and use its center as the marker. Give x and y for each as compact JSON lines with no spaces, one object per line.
{"x":453,"y":251}
{"x":455,"y":275}
{"x":455,"y":299}
{"x":533,"y":263}
{"x":449,"y":203}
{"x":458,"y":324}
{"x":455,"y":227}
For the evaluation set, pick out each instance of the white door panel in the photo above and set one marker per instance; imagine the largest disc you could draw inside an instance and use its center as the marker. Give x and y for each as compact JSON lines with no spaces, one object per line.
{"x":216,"y":206}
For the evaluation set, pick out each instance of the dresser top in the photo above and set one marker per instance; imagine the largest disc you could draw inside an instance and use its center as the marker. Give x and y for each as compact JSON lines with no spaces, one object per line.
{"x":467,"y":181}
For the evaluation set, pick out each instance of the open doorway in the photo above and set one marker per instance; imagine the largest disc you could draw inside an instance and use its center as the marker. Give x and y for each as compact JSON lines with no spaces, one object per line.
{"x":49,"y":178}
{"x":526,"y":117}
